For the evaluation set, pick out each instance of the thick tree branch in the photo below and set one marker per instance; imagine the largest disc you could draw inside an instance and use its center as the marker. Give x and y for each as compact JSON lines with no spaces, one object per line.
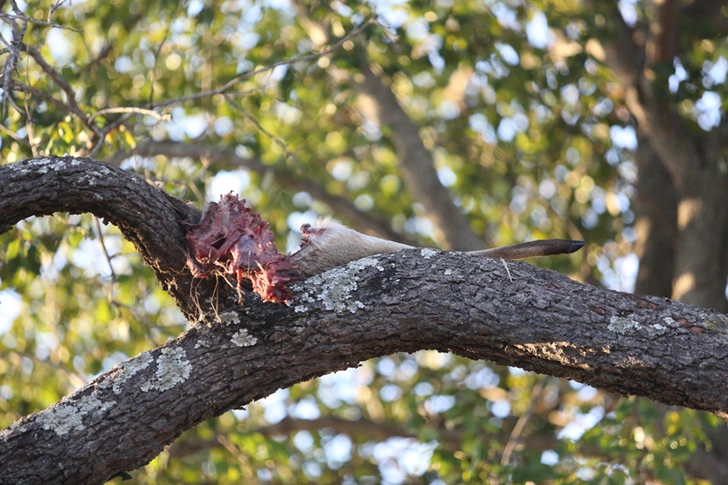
{"x":418,"y":168}
{"x":146,"y":215}
{"x":406,"y":301}
{"x":341,"y":206}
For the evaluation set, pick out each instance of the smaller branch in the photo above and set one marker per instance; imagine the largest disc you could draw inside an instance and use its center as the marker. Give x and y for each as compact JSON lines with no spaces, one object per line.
{"x":418,"y":167}
{"x":158,"y":51}
{"x":103,"y":53}
{"x":515,"y":437}
{"x":54,"y":7}
{"x":12,"y":62}
{"x":308,"y":57}
{"x":16,"y":85}
{"x":245,"y":466}
{"x":100,"y":235}
{"x":32,"y":20}
{"x":281,"y":144}
{"x":130,"y":109}
{"x":13,"y":135}
{"x":65,"y":87}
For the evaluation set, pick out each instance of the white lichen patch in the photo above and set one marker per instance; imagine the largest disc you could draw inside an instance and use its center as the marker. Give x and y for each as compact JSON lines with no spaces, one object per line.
{"x":202,"y":343}
{"x":126,"y":370}
{"x":448,"y":272}
{"x":243,"y":339}
{"x":623,"y":325}
{"x":300,"y":308}
{"x":16,"y":426}
{"x":335,"y":286}
{"x":172,"y":368}
{"x":65,"y":417}
{"x":229,"y":317}
{"x":427,"y":253}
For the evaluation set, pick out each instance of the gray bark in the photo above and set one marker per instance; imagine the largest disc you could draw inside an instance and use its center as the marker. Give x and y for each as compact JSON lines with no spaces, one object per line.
{"x":414,"y":299}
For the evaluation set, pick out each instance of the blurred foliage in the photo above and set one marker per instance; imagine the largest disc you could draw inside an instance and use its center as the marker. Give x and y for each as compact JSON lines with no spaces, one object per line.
{"x":528,"y":131}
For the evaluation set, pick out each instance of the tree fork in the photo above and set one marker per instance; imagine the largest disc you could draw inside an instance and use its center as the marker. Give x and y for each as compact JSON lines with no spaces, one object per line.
{"x":414,"y":299}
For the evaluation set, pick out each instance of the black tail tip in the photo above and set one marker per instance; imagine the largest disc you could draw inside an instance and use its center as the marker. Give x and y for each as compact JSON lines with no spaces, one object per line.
{"x":575,"y":246}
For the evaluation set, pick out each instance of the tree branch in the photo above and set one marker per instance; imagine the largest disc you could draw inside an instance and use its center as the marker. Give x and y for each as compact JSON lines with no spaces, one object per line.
{"x":542,"y":321}
{"x":665,"y":129}
{"x":418,"y":168}
{"x":401,"y":302}
{"x":146,"y":215}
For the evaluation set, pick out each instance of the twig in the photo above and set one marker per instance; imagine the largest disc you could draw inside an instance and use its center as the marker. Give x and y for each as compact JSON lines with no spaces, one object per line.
{"x":308,"y":57}
{"x":508,"y":271}
{"x":130,"y":109}
{"x":267,"y":133}
{"x":536,"y":391}
{"x":97,"y":225}
{"x":63,"y":84}
{"x":32,"y":20}
{"x":41,"y":94}
{"x":12,"y":61}
{"x":55,"y":7}
{"x":29,"y":127}
{"x":159,"y":50}
{"x":13,"y":135}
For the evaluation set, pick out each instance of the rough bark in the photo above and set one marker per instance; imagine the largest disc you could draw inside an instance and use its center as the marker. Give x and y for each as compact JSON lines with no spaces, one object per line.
{"x":146,"y":215}
{"x":682,"y":222}
{"x":414,"y":299}
{"x":342,"y":207}
{"x":541,"y":321}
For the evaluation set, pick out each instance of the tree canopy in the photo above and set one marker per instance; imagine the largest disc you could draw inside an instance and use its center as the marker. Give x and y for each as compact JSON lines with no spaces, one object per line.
{"x":455,"y":125}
